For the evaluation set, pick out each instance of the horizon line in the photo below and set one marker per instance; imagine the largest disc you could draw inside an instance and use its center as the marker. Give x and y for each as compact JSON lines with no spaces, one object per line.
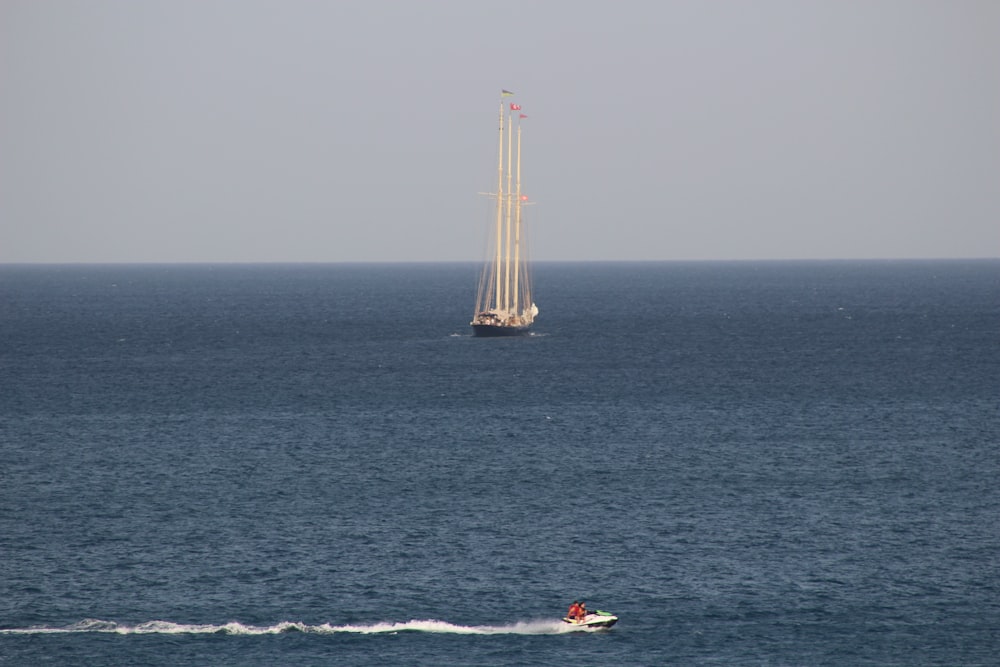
{"x":470,"y":261}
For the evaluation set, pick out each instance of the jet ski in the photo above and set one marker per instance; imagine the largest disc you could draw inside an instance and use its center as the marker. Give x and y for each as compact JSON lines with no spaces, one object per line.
{"x":594,"y":619}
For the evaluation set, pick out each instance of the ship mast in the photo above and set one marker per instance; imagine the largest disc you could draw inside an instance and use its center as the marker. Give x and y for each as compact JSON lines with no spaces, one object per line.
{"x":517,"y":222}
{"x":507,"y":219}
{"x":499,"y":247}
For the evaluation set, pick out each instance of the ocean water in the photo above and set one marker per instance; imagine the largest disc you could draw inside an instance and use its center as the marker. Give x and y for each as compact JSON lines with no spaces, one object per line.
{"x":749,"y":463}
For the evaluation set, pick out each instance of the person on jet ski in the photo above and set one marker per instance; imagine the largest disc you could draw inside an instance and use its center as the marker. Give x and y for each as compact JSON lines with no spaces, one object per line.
{"x":574,"y":612}
{"x":582,"y":614}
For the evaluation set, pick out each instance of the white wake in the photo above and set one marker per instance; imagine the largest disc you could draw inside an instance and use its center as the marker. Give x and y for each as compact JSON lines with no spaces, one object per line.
{"x":537,"y":627}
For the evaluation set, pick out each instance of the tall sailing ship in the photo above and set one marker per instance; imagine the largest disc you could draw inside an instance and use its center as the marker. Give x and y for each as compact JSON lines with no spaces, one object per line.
{"x":503,"y":303}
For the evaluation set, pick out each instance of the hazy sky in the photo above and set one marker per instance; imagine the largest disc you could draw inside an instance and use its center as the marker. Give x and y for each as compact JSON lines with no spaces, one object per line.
{"x":295,"y":130}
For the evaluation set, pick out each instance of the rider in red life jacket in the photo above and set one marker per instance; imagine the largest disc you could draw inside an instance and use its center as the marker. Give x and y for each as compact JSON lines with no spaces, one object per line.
{"x":574,"y":611}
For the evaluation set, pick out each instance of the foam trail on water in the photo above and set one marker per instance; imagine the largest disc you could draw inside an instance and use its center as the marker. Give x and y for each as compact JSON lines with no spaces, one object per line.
{"x":541,"y":627}
{"x":536,"y":627}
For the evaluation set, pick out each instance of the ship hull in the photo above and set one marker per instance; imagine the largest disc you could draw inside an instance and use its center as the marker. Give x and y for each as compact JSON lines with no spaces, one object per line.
{"x":497,"y":331}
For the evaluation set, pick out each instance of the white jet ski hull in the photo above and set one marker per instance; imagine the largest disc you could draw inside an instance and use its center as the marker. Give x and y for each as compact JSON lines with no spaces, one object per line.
{"x":595,"y":619}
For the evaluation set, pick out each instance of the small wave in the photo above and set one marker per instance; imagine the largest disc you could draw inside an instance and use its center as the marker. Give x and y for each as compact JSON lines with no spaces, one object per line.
{"x":538,"y":627}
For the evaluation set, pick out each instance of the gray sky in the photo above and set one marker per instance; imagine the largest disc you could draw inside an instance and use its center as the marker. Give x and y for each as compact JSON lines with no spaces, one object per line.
{"x":297,"y":130}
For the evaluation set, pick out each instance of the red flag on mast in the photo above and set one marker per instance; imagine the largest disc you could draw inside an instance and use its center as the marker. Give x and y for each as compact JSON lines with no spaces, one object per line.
{"x":515,"y":107}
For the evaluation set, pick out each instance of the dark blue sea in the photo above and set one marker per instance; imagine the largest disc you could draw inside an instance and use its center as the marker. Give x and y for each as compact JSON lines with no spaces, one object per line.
{"x":783,"y":463}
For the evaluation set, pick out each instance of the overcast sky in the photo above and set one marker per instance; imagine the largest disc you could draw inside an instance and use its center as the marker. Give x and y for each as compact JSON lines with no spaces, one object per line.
{"x":295,"y":130}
